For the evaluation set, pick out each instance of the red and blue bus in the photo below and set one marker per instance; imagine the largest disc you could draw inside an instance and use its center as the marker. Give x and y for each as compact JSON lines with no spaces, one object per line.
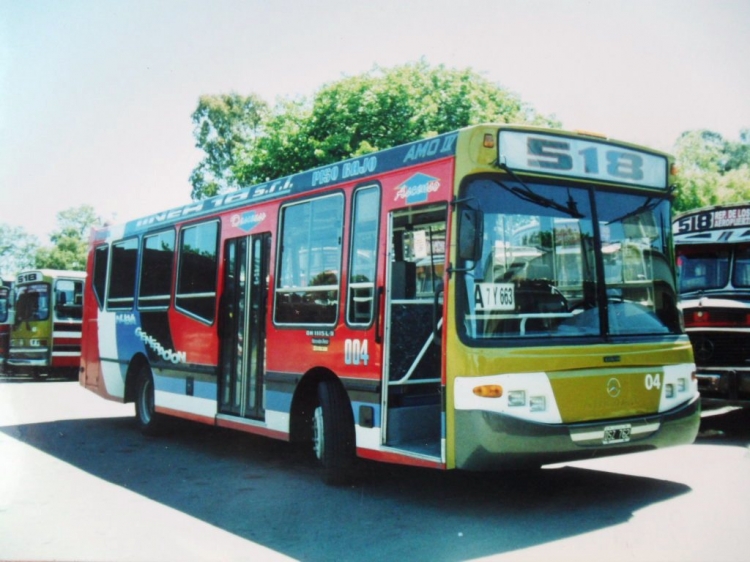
{"x":498,"y":296}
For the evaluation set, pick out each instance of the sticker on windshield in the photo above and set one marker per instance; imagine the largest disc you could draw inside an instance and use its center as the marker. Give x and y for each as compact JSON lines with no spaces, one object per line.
{"x":494,"y":296}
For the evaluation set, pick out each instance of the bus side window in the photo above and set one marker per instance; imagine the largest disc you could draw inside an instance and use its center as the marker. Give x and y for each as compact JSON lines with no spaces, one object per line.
{"x":157,"y":258}
{"x":122,"y":275}
{"x":101,"y":264}
{"x":197,"y":270}
{"x":362,"y":262}
{"x":307,"y":283}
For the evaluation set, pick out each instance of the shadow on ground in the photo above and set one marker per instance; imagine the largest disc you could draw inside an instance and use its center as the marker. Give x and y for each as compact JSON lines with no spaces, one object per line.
{"x":269,"y":492}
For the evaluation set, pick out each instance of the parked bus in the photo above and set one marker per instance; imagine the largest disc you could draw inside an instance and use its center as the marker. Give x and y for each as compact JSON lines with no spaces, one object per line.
{"x":6,"y":319}
{"x":493,"y":297}
{"x":713,"y":256}
{"x":46,"y":331}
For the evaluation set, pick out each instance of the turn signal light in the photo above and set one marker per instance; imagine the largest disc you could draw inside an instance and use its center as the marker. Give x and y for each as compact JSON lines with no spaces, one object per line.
{"x":489,"y":391}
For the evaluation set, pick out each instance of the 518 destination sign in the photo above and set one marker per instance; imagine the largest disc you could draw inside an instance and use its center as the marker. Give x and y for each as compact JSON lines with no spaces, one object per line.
{"x":582,"y":158}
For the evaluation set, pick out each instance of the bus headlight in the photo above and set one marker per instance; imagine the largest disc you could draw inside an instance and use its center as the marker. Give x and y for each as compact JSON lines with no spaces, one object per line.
{"x":524,"y":396}
{"x":538,"y":403}
{"x":517,"y":398}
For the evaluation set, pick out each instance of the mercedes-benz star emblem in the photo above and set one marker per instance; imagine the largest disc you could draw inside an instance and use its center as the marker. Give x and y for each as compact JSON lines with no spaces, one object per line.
{"x":613,"y":387}
{"x":704,"y":349}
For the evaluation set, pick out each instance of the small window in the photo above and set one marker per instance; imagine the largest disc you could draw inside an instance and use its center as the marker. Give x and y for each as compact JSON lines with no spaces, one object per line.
{"x":122,"y":275}
{"x":307,"y":284}
{"x":101,"y":262}
{"x":364,"y":245}
{"x":156,"y":270}
{"x":196,"y":280}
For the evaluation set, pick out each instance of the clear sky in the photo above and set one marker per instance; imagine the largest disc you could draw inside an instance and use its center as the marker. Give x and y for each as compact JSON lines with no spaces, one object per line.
{"x":96,"y":95}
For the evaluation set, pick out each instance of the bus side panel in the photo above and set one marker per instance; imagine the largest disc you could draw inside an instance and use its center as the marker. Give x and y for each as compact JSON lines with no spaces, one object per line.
{"x":66,"y":345}
{"x":355,"y":355}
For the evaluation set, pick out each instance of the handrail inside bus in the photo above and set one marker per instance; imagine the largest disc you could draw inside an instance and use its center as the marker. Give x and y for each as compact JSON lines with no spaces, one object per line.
{"x":410,"y":372}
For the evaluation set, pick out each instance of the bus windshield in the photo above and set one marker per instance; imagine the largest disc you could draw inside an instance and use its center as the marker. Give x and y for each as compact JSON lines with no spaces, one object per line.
{"x":547,"y":269}
{"x":707,"y":267}
{"x":32,"y":302}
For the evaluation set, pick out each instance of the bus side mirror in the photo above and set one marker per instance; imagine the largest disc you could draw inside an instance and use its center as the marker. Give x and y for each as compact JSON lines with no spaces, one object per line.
{"x":470,"y":234}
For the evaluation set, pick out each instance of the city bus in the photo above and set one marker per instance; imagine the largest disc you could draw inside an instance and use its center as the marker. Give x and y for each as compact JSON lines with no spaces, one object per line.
{"x":713,"y":258}
{"x":6,"y":318}
{"x":45,"y":336}
{"x":495,"y":297}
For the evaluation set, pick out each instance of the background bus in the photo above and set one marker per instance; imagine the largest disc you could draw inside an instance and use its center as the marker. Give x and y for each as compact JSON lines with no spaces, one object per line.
{"x":492,"y":297}
{"x":6,"y":318}
{"x":713,"y":249}
{"x":46,"y":330}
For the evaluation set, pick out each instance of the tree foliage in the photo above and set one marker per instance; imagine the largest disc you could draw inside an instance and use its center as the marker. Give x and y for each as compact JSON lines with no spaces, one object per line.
{"x":18,"y":249}
{"x":712,"y":169}
{"x":226,"y":128}
{"x":350,"y":117}
{"x":70,"y":240}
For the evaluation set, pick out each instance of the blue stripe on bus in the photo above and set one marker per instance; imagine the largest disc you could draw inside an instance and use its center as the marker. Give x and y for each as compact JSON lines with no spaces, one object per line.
{"x":353,"y":169}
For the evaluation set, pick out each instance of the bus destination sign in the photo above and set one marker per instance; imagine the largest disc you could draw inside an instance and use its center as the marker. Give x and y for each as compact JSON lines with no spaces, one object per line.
{"x":713,"y":219}
{"x":582,"y":158}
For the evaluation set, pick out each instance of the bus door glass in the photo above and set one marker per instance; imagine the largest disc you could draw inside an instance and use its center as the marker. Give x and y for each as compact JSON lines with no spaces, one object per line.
{"x":412,"y":403}
{"x":68,"y":300}
{"x":242,"y":326}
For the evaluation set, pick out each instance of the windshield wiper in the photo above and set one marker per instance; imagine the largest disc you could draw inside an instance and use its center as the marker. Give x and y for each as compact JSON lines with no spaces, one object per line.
{"x":527,"y":194}
{"x":649,"y":205}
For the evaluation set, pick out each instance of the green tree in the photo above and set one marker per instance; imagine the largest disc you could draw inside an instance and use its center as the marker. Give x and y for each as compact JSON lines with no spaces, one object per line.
{"x":70,"y":240}
{"x":711,"y":169}
{"x":226,"y":128}
{"x":357,"y":115}
{"x":18,"y":249}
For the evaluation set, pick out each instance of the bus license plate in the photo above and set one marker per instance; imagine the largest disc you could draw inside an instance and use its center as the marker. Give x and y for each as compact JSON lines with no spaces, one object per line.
{"x":616,"y":434}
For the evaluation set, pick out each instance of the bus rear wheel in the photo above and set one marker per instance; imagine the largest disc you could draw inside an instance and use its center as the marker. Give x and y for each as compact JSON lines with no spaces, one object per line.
{"x":146,"y":418}
{"x":333,"y":433}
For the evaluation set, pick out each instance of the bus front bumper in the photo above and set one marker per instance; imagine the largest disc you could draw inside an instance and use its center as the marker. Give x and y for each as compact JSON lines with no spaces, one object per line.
{"x":28,"y":359}
{"x":492,"y":441}
{"x":724,"y":385}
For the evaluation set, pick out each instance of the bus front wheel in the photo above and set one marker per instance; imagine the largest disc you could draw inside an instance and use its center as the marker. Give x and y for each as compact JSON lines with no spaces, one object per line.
{"x":145,"y":413}
{"x":333,"y":433}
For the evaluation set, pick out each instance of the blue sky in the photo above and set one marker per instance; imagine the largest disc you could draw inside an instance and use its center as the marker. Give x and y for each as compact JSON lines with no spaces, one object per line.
{"x":96,"y":95}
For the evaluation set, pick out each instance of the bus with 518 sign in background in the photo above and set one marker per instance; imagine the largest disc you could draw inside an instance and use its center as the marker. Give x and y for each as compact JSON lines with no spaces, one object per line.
{"x":495,"y":297}
{"x":45,"y":336}
{"x":713,"y":257}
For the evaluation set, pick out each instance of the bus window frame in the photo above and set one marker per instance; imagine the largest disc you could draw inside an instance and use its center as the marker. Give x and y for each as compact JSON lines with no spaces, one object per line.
{"x":110,"y":276}
{"x":352,"y":232}
{"x":277,"y":289}
{"x":177,"y":276}
{"x":172,"y":278}
{"x":101,"y":299}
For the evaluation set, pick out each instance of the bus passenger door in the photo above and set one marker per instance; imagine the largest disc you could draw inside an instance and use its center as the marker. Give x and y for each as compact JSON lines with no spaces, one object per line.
{"x":242,"y":324}
{"x":412,"y":403}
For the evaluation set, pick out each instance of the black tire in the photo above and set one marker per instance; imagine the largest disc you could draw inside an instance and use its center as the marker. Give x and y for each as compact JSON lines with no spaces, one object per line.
{"x":333,"y":434}
{"x":146,"y":418}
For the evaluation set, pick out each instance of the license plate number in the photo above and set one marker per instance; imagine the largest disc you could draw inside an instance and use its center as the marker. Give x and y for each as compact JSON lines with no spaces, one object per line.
{"x":616,"y":434}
